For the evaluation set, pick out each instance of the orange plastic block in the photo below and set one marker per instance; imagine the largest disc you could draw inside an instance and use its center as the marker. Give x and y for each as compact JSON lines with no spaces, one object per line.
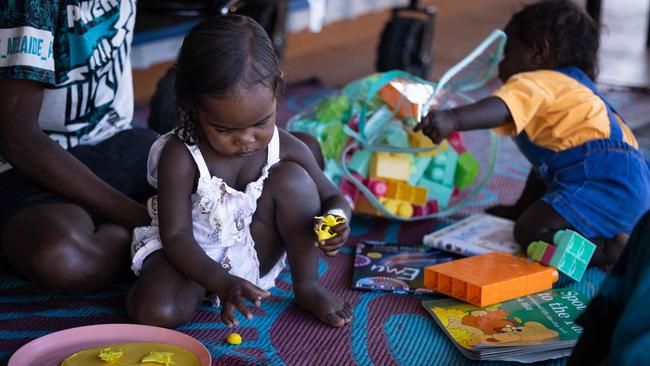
{"x":399,"y":208}
{"x":393,"y":94}
{"x":488,"y":279}
{"x":390,"y":166}
{"x":405,"y":192}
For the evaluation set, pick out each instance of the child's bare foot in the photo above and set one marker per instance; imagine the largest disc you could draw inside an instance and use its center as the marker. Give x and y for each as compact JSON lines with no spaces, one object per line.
{"x":326,"y":306}
{"x":608,"y":251}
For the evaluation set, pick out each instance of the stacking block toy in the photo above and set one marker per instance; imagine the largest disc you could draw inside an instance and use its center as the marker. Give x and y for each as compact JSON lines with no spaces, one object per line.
{"x":400,"y":208}
{"x":570,"y":254}
{"x":487,"y":279}
{"x":437,"y":191}
{"x":390,"y":166}
{"x":406,"y":96}
{"x":420,"y":165}
{"x":466,"y":170}
{"x":443,"y":167}
{"x":430,"y":208}
{"x":360,"y":162}
{"x":403,"y":192}
{"x":378,"y":187}
{"x":420,"y":140}
{"x":457,"y":141}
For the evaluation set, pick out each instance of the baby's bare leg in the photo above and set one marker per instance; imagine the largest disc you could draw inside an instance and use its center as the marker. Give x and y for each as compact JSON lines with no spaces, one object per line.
{"x":162,"y":296}
{"x":540,"y":222}
{"x":284,"y":221}
{"x":533,"y":191}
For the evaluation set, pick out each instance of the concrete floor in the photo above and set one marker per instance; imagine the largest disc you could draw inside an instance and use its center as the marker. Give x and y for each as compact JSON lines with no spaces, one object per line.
{"x":346,"y":50}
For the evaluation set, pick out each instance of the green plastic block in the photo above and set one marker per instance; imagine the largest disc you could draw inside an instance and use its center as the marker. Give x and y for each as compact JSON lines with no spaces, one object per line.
{"x":437,"y":191}
{"x":419,"y":165}
{"x":332,"y":109}
{"x":333,"y":139}
{"x":573,"y":253}
{"x":442,"y":169}
{"x":466,"y":171}
{"x":536,"y":250}
{"x":395,"y":135}
{"x":360,"y":162}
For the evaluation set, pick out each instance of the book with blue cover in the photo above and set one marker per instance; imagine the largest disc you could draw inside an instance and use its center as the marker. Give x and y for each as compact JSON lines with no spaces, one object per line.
{"x":397,"y":268}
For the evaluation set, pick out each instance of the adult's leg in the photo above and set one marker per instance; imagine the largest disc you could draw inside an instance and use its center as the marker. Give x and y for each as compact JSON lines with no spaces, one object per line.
{"x":162,"y":296}
{"x":533,"y":191}
{"x":57,"y":246}
{"x":284,"y":221}
{"x":540,"y":222}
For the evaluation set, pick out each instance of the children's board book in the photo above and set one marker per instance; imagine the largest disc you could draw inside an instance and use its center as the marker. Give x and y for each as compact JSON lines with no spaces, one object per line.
{"x":477,"y":234}
{"x":398,"y":268}
{"x":532,"y":328}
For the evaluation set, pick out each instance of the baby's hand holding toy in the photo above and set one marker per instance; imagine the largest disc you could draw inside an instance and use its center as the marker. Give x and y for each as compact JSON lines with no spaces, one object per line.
{"x":332,"y":232}
{"x":437,"y":125}
{"x":232,"y":292}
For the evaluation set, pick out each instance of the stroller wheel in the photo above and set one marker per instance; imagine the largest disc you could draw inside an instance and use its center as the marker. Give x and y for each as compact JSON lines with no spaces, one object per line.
{"x":400,"y":46}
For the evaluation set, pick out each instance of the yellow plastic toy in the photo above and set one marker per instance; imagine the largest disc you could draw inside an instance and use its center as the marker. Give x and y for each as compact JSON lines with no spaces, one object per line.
{"x":233,"y":338}
{"x":163,"y":358}
{"x":402,"y":191}
{"x":390,"y":166}
{"x":109,"y":355}
{"x":490,"y":278}
{"x":324,"y":224}
{"x":420,"y":140}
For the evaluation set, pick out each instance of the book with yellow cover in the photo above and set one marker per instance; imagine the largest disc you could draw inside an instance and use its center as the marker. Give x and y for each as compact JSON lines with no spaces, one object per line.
{"x":531,"y":328}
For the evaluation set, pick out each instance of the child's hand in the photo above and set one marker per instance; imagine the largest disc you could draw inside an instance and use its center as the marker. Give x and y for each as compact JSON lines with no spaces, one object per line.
{"x":332,"y":245}
{"x":437,"y":125}
{"x":232,"y":292}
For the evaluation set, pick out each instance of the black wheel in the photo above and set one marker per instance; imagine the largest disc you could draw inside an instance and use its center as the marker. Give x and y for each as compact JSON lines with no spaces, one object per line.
{"x":400,"y":46}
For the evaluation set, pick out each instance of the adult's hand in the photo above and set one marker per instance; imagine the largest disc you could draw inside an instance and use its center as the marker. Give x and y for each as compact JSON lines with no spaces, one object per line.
{"x":27,"y":148}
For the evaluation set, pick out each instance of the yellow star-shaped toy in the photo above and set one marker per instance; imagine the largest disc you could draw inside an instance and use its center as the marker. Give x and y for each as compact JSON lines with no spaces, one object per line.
{"x":323,"y":225}
{"x":164,"y":358}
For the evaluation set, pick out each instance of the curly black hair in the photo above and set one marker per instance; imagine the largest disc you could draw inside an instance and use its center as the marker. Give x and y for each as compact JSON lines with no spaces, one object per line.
{"x":572,"y":35}
{"x":220,"y":57}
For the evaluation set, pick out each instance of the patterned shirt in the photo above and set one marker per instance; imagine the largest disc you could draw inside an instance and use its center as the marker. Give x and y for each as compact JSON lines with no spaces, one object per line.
{"x":80,"y":52}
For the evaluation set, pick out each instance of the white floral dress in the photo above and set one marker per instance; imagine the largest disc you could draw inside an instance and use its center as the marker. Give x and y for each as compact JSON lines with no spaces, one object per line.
{"x":221,"y":218}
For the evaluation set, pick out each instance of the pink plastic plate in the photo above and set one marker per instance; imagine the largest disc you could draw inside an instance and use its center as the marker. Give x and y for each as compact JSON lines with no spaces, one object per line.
{"x":51,"y":349}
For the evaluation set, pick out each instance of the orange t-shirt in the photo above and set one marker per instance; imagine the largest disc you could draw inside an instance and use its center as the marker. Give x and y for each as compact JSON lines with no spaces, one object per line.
{"x":556,"y":111}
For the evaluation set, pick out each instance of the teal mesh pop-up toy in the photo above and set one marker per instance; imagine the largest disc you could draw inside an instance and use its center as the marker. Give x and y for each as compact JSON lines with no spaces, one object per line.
{"x":383,"y":167}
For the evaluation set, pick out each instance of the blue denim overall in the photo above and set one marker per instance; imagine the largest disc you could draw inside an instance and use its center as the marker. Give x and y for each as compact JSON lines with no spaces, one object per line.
{"x":601,"y":187}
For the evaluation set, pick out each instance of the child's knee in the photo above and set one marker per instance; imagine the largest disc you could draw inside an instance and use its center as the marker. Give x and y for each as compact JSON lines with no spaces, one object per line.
{"x":165,"y":314}
{"x":292,"y":181}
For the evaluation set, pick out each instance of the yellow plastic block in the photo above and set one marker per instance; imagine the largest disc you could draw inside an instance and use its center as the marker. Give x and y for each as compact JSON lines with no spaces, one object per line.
{"x":399,"y":208}
{"x":390,"y":166}
{"x":404,"y":192}
{"x":420,"y":140}
{"x":488,"y":279}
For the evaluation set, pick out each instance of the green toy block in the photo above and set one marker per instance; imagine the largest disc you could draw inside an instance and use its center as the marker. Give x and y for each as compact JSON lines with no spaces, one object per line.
{"x":395,"y":135}
{"x":419,"y":165}
{"x":332,"y":109}
{"x":437,"y":191}
{"x":442,"y":169}
{"x":360,"y":162}
{"x":333,"y":139}
{"x":576,"y":253}
{"x":570,"y":254}
{"x":466,"y":170}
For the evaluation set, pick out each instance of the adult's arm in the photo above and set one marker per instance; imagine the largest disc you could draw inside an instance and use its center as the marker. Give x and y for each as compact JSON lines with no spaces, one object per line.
{"x":27,"y":148}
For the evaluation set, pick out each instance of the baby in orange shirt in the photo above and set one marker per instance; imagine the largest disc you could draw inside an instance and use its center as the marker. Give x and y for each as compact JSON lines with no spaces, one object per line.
{"x":588,"y":174}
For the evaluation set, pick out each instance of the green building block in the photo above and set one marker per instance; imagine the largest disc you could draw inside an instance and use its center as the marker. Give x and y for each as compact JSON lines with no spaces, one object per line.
{"x":570,"y":254}
{"x":360,"y":162}
{"x":466,"y":170}
{"x":442,"y":169}
{"x":419,"y":165}
{"x":437,"y":191}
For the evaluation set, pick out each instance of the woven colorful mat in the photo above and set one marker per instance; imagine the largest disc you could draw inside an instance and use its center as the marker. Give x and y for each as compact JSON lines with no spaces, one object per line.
{"x":387,"y":329}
